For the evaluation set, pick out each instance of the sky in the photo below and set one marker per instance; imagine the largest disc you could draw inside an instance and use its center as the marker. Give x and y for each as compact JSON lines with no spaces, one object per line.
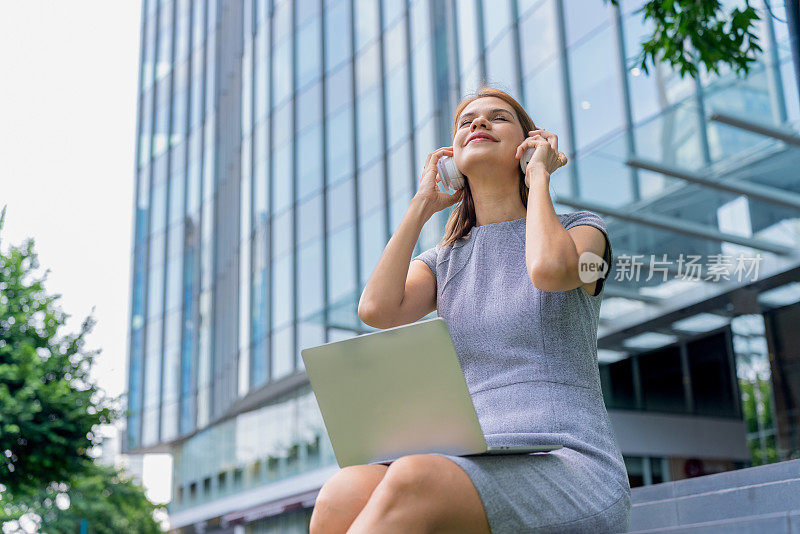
{"x":67,"y":130}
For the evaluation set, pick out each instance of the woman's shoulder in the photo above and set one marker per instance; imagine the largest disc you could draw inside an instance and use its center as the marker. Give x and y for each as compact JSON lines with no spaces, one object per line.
{"x":579,"y":217}
{"x":439,"y":253}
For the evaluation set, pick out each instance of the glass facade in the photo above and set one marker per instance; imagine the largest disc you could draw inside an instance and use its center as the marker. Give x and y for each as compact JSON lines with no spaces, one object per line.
{"x":277,"y":151}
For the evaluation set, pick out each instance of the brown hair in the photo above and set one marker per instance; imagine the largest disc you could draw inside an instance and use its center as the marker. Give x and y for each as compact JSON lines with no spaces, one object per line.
{"x":462,"y":217}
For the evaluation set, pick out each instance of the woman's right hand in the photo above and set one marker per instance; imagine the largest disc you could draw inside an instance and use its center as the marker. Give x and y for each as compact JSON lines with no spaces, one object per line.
{"x":429,"y":194}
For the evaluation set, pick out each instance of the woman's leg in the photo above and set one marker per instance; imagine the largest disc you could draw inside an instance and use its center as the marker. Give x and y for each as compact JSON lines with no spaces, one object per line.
{"x":343,"y":496}
{"x":423,"y":493}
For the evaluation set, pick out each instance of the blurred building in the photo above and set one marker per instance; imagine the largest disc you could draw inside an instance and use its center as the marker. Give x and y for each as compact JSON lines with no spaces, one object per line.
{"x":109,"y":453}
{"x":280,"y":144}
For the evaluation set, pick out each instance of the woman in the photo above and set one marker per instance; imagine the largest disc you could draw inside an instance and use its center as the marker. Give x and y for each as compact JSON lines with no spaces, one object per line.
{"x":524,"y":325}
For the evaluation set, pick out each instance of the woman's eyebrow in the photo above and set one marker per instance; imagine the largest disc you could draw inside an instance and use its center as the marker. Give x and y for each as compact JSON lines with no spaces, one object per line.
{"x":472,"y":114}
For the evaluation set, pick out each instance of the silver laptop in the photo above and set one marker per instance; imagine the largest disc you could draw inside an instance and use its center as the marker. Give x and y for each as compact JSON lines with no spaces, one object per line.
{"x":395,"y":392}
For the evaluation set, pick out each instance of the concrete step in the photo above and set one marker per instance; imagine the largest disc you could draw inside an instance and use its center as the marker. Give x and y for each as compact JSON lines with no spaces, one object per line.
{"x":752,"y":496}
{"x":777,"y":523}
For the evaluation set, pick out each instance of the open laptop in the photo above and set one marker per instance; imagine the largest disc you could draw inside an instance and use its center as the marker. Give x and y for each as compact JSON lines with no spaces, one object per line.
{"x":395,"y":392}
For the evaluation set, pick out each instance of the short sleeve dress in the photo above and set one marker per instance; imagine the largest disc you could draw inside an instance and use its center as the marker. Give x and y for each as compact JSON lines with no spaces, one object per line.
{"x":530,"y":361}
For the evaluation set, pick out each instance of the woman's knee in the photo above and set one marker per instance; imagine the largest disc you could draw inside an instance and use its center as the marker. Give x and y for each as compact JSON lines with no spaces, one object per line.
{"x":343,"y":497}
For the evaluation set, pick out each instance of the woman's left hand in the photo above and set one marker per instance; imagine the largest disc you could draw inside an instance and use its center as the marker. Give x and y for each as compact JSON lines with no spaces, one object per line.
{"x":546,"y":155}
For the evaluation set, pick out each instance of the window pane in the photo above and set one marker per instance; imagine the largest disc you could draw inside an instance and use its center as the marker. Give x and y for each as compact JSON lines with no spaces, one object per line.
{"x":371,"y":188}
{"x":282,"y":352}
{"x":282,"y":177}
{"x":496,"y":18}
{"x":144,"y":137}
{"x":367,"y":23}
{"x":282,"y":70}
{"x":310,"y":334}
{"x":545,"y":103}
{"x":309,"y":62}
{"x":392,"y":9}
{"x":584,"y":17}
{"x":398,"y":106}
{"x":657,"y":471}
{"x":261,"y":141}
{"x":340,"y":205}
{"x":540,"y":22}
{"x":501,"y":66}
{"x":618,"y":384}
{"x":634,"y":465}
{"x":310,"y":291}
{"x":394,"y":47}
{"x":596,"y":99}
{"x":282,"y":280}
{"x":305,"y":9}
{"x":282,"y":124}
{"x":164,"y":40}
{"x":420,"y":21}
{"x":260,"y":74}
{"x":370,"y":140}
{"x":711,"y":376}
{"x":309,"y":107}
{"x":281,"y":19}
{"x":161,"y":134}
{"x":339,"y":146}
{"x":468,"y":28}
{"x":400,"y":178}
{"x":339,"y":89}
{"x":159,"y":220}
{"x":258,"y":366}
{"x":341,"y":265}
{"x":309,"y":219}
{"x":177,"y":183}
{"x":282,"y":233}
{"x":196,"y":88}
{"x":337,"y":23}
{"x":397,"y":209}
{"x":149,"y":51}
{"x":198,"y":31}
{"x":373,"y":241}
{"x":174,"y":268}
{"x":155,"y":283}
{"x":368,"y":68}
{"x":662,"y":380}
{"x":260,"y":192}
{"x":261,"y":302}
{"x":423,"y":83}
{"x":650,"y":93}
{"x":309,"y":163}
{"x":179,"y":99}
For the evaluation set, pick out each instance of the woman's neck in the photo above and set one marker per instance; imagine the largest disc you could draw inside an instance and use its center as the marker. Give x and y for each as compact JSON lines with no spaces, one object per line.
{"x":494,"y":204}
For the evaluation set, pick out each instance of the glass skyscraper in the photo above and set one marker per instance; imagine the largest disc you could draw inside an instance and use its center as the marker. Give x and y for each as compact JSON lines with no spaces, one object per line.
{"x":279,"y":145}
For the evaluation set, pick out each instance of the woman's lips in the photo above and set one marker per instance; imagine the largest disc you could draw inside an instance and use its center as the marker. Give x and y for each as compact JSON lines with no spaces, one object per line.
{"x":479,"y":139}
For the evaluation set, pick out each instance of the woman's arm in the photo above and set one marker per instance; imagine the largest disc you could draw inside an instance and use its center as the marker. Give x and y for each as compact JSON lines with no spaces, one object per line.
{"x":384,"y":291}
{"x":551,"y":252}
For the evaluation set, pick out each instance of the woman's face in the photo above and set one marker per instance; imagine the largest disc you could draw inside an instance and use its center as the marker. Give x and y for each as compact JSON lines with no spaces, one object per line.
{"x":492,"y":116}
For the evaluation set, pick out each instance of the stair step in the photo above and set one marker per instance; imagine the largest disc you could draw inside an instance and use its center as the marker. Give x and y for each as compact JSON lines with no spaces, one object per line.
{"x":773,"y":523}
{"x":769,"y":492}
{"x":749,"y":476}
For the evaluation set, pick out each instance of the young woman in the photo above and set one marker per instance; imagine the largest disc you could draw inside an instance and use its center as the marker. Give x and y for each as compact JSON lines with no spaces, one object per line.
{"x":524,"y":325}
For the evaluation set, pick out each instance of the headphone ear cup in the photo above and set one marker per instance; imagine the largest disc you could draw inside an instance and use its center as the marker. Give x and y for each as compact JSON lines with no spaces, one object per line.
{"x":458,"y":183}
{"x":451,"y":176}
{"x":526,"y":157}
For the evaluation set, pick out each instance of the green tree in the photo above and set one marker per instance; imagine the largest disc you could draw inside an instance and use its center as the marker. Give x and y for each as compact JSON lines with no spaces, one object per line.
{"x":51,"y":409}
{"x":758,"y":418}
{"x":107,"y":500}
{"x":687,"y":33}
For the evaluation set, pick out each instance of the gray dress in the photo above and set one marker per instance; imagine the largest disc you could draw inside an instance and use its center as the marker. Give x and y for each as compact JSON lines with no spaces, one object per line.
{"x":530,"y":362}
